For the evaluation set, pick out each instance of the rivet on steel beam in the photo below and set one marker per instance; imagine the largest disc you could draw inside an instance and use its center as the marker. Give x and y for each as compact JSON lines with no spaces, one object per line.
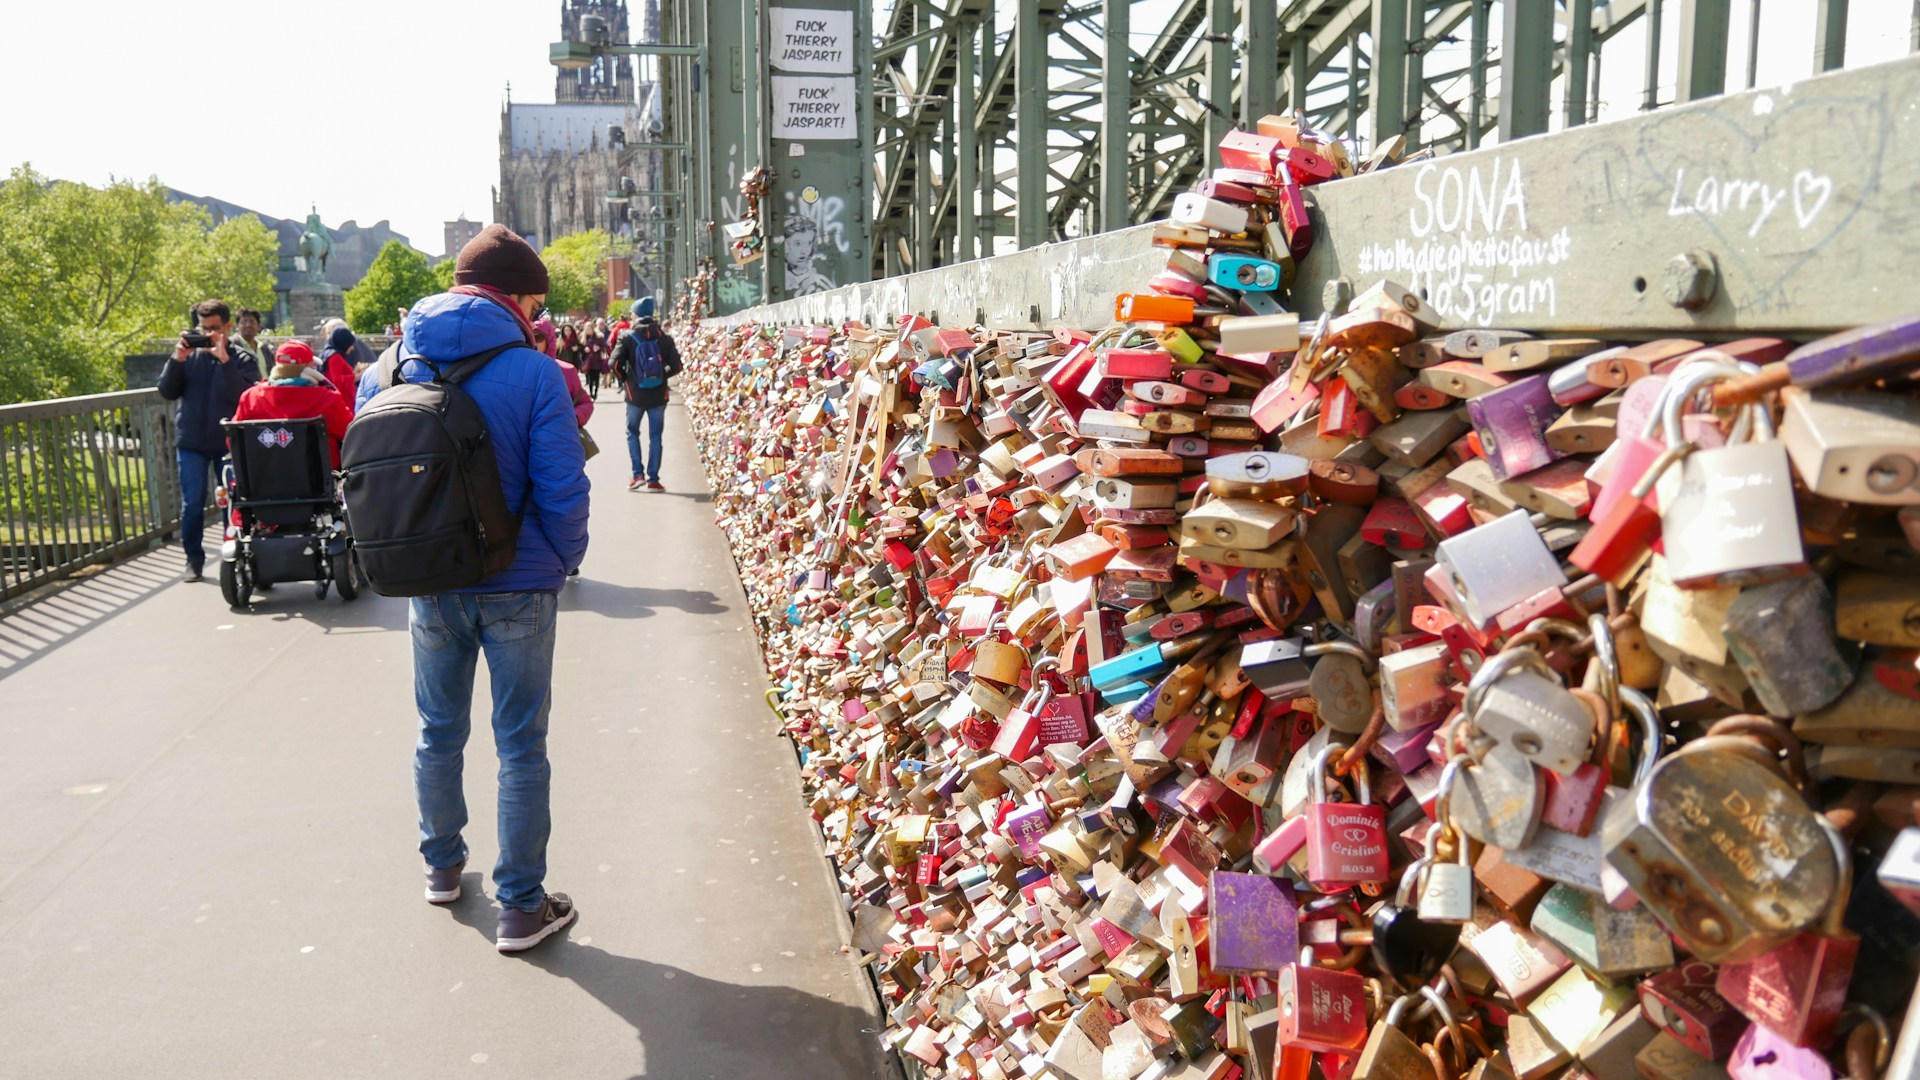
{"x":1690,"y":280}
{"x":1335,"y":295}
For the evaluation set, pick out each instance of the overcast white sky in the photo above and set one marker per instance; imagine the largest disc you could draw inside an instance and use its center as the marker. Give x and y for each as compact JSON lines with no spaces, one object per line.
{"x":375,"y":109}
{"x":369,"y":109}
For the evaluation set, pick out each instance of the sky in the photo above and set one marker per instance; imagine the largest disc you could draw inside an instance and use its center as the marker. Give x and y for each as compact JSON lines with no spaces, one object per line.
{"x":367,"y":109}
{"x":371,"y":109}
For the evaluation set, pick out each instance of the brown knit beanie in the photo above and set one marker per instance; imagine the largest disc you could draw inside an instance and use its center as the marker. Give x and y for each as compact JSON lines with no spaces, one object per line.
{"x":498,"y":257}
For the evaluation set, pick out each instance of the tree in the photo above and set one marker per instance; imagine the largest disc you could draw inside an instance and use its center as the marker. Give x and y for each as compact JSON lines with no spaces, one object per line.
{"x":443,"y":274}
{"x":573,"y":270}
{"x":88,"y":273}
{"x":398,"y":278}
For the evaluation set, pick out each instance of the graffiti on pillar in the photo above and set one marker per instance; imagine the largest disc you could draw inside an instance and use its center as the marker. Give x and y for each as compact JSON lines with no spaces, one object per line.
{"x":734,"y":291}
{"x":814,"y":233}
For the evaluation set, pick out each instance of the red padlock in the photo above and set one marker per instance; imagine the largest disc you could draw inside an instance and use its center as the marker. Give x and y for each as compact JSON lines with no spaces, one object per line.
{"x":1346,"y":842}
{"x":1797,"y":990}
{"x":1683,"y":1003}
{"x":1322,"y":1009}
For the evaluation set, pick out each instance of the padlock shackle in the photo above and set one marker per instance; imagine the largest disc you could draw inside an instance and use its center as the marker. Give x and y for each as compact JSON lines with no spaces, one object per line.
{"x":1768,"y":730}
{"x":1695,"y":375}
{"x":1651,"y":736}
{"x":1496,"y":668}
{"x":1606,"y":653}
{"x":1344,"y":648}
{"x":1835,"y":923}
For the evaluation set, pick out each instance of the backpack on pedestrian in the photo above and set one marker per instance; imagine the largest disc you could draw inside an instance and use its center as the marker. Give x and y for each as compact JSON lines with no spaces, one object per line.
{"x":647,"y":369}
{"x":422,"y":485}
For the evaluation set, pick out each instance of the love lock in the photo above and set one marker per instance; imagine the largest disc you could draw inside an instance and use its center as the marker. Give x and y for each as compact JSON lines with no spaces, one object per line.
{"x":1516,"y":699}
{"x":1499,"y":799}
{"x":1407,"y":945}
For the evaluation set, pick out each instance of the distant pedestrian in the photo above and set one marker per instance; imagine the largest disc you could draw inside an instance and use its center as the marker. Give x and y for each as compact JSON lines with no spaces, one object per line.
{"x":594,"y":351}
{"x":341,"y":361}
{"x":246,"y":323}
{"x":204,"y":379}
{"x":644,"y":358}
{"x":509,"y":616}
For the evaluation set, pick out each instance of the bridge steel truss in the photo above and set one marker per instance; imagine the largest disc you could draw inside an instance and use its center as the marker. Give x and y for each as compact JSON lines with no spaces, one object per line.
{"x":1031,"y":121}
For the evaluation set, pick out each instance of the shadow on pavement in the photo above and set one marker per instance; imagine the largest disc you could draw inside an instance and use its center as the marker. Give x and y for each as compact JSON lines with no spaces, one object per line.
{"x":36,"y":624}
{"x":690,"y":1026}
{"x":634,"y":601}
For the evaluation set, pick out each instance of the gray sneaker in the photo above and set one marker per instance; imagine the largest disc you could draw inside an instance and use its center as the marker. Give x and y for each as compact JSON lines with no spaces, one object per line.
{"x":443,"y":883}
{"x":521,"y":930}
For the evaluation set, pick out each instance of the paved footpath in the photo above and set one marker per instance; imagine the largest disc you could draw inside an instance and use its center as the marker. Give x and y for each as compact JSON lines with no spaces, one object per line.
{"x":207,"y":830}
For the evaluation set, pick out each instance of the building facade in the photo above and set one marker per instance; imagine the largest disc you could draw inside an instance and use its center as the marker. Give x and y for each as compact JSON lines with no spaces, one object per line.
{"x":460,"y":232}
{"x":570,"y":166}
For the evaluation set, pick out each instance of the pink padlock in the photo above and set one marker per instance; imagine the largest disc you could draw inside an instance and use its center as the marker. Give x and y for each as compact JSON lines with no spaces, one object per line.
{"x":1762,"y":1055}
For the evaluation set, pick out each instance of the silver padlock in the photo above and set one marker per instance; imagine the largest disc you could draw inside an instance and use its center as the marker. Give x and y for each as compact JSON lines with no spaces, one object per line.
{"x":1862,"y":448}
{"x":1447,"y":893}
{"x":1781,"y":635}
{"x":1497,"y":565}
{"x":1517,"y":700}
{"x":1727,"y":515}
{"x":1339,"y":684}
{"x":1413,"y":686}
{"x":1499,"y":799}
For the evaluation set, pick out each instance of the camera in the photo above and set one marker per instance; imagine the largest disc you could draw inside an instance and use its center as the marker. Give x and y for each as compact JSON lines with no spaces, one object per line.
{"x":196,"y":339}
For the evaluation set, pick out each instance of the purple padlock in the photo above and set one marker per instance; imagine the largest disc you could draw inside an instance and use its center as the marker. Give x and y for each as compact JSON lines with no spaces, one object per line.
{"x":1762,"y":1055}
{"x":1405,"y":751}
{"x":1252,"y":922}
{"x":1512,"y":423}
{"x":1026,"y":826}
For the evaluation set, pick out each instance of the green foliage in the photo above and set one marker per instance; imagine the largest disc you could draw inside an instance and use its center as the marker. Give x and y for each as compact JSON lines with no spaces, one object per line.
{"x":574,"y":266}
{"x":442,"y":275}
{"x":398,"y":278}
{"x":88,"y":273}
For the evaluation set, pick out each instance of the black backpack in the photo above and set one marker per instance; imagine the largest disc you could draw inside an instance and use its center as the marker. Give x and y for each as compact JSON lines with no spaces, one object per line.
{"x":422,"y":486}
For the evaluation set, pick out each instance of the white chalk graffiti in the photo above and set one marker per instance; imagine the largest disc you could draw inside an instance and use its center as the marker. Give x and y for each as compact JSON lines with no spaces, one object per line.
{"x":1470,"y":250}
{"x":1734,"y":197}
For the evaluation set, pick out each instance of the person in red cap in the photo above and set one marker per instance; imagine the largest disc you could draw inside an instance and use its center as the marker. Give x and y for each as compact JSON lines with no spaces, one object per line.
{"x":296,"y":390}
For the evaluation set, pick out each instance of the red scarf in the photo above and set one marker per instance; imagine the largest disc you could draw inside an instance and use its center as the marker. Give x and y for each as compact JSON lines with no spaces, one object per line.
{"x":504,"y":300}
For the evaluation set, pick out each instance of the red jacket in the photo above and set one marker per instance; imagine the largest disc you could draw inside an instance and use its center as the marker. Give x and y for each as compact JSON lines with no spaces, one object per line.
{"x":346,"y":383}
{"x":296,"y":401}
{"x":577,"y":391}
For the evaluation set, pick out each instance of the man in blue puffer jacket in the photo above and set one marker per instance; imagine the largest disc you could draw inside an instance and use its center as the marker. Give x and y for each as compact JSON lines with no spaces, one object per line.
{"x":500,"y":283}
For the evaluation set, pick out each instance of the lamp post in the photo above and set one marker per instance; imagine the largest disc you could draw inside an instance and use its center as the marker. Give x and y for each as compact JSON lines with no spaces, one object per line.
{"x":695,"y":211}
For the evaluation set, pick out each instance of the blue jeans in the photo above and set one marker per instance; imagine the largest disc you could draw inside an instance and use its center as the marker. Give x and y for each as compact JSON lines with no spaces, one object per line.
{"x":194,"y":467}
{"x":656,"y":427}
{"x":515,"y":631}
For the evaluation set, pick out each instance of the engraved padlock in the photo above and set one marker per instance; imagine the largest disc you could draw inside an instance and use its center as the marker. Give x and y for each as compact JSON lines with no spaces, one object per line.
{"x":1346,"y":842}
{"x":1797,"y":990}
{"x":1727,"y":515}
{"x":1339,"y":684}
{"x":1446,"y":891}
{"x":1321,"y":1008}
{"x":1721,"y":846}
{"x":1517,"y":700}
{"x":1389,"y":1053}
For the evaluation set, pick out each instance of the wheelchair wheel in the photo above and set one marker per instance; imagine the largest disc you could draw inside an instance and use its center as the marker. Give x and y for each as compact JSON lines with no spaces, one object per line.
{"x":347,"y":575}
{"x":235,"y":586}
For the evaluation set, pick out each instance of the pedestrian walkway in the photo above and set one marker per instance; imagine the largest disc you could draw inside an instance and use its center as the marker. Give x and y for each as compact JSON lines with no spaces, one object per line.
{"x":207,"y":863}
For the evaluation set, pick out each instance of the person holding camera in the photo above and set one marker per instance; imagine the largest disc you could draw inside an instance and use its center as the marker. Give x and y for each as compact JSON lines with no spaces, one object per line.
{"x":204,"y":380}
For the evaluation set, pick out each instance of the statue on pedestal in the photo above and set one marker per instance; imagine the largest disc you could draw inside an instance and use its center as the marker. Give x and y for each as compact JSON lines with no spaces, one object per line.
{"x":315,"y":246}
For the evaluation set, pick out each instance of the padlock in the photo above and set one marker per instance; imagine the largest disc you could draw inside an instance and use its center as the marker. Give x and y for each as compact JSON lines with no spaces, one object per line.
{"x":1320,"y":1008}
{"x":1252,"y":923}
{"x":1762,"y":1055}
{"x":1723,"y":849}
{"x":1338,"y":684}
{"x":1606,"y":941}
{"x":1447,"y":890}
{"x":1497,"y":565}
{"x":1512,"y":422}
{"x":997,"y":660}
{"x":1727,"y":515}
{"x":1499,"y":799}
{"x":1413,"y":686}
{"x":1389,"y":1054}
{"x":1346,"y":842}
{"x":1781,"y":635}
{"x":1857,"y":447}
{"x":1237,"y":523}
{"x":1797,"y":990}
{"x":1683,"y":1003}
{"x":1407,"y":946}
{"x":1516,"y":699}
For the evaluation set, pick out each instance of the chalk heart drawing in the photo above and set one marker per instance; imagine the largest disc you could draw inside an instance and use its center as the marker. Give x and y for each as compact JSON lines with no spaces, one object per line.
{"x":1772,"y":191}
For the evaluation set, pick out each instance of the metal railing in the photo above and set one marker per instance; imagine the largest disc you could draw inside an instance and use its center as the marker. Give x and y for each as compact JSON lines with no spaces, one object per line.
{"x":83,"y":480}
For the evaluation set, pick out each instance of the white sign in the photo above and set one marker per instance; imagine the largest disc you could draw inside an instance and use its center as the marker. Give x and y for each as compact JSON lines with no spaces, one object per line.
{"x":812,"y":39}
{"x":813,"y":107}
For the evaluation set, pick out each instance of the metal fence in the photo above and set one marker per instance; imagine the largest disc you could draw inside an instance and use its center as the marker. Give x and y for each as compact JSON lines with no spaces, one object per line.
{"x":83,"y":480}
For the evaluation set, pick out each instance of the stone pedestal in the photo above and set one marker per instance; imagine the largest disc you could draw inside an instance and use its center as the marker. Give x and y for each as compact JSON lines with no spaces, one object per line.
{"x":310,"y":305}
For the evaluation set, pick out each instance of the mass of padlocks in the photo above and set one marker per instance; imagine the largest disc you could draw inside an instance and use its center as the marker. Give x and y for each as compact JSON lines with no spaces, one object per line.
{"x":1212,"y":695}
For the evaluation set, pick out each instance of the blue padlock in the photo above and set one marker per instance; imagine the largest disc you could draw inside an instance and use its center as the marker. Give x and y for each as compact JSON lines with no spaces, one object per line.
{"x":1125,"y":668}
{"x":1244,"y":272}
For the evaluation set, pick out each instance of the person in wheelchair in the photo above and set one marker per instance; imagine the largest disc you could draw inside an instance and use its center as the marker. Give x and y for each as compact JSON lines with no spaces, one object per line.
{"x":296,"y":390}
{"x":285,"y":521}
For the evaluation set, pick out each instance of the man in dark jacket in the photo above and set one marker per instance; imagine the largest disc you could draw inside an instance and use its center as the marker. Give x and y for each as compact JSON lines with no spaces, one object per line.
{"x":643,"y":400}
{"x":205,"y":385}
{"x":509,"y":617}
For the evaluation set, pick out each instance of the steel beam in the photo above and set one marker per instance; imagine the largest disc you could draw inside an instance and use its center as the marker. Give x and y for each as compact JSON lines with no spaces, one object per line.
{"x":1418,"y":41}
{"x":1387,"y":74}
{"x":1703,"y":48}
{"x":1830,"y":35}
{"x":1259,"y":74}
{"x":1526,"y":69}
{"x":1030,"y":125}
{"x":1579,"y":53}
{"x":1651,"y":98}
{"x":1477,"y":74}
{"x":1220,"y":64}
{"x":966,"y":180}
{"x":1298,"y":77}
{"x":1116,"y":104}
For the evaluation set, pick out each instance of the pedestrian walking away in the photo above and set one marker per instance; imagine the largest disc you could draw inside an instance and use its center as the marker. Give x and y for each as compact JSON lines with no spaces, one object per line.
{"x":507,"y":616}
{"x":204,"y":380}
{"x":644,"y":358}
